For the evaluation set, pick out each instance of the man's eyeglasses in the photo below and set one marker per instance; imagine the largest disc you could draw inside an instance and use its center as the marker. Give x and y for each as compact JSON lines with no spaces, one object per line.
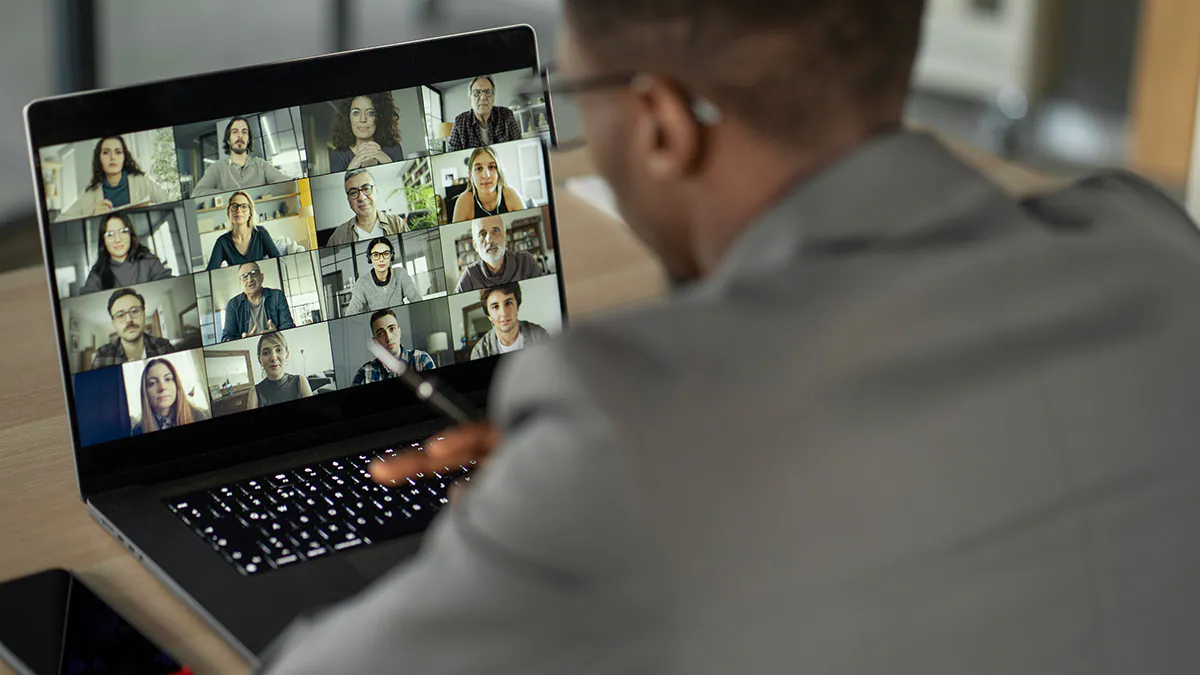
{"x":367,"y":190}
{"x":565,"y":93}
{"x":482,"y":93}
{"x":122,"y":233}
{"x":245,"y":276}
{"x":131,"y":313}
{"x":239,"y":206}
{"x":381,"y":255}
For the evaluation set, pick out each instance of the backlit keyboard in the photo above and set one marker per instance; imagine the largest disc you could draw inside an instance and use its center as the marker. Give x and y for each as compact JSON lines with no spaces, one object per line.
{"x":308,"y":512}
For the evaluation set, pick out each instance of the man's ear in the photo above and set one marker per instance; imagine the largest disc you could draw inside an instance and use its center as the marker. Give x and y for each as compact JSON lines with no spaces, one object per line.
{"x":666,"y":135}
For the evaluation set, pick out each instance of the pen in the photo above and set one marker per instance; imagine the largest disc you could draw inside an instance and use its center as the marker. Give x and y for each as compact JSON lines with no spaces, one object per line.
{"x":443,"y":399}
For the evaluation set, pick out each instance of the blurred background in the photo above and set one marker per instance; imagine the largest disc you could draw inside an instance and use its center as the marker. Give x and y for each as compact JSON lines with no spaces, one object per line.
{"x":1064,"y":86}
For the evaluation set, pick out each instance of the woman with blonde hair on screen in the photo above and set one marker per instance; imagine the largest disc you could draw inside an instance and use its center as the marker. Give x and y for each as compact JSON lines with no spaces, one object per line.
{"x":245,"y":242}
{"x":164,"y":399}
{"x":487,"y":193}
{"x":277,"y":385}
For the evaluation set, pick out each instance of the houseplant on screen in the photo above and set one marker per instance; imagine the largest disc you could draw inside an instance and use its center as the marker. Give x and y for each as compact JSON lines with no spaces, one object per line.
{"x":422,"y":206}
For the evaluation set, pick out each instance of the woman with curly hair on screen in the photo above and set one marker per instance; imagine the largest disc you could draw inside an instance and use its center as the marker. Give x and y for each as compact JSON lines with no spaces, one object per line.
{"x":365,"y":133}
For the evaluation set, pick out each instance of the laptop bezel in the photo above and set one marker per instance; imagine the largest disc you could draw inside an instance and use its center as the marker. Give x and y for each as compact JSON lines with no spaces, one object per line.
{"x":185,"y":451}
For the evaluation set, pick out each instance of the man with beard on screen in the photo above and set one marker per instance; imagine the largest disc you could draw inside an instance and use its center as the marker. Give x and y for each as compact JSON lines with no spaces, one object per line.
{"x":128,"y":311}
{"x":496,"y":265}
{"x":239,"y":170}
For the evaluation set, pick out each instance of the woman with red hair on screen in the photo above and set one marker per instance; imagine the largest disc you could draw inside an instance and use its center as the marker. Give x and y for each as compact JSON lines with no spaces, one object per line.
{"x":164,"y":399}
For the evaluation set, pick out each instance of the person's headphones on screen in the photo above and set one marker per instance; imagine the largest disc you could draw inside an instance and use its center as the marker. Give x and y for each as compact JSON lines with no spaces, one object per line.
{"x":377,"y":241}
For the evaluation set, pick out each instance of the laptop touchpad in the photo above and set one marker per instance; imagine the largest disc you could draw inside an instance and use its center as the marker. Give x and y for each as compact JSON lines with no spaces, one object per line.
{"x":373,"y":561}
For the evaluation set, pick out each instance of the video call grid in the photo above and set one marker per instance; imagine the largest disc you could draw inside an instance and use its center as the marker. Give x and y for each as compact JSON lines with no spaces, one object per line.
{"x":195,"y":205}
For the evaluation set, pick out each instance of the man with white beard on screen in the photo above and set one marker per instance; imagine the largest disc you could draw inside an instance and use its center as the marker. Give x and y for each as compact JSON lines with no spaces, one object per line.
{"x":496,"y":265}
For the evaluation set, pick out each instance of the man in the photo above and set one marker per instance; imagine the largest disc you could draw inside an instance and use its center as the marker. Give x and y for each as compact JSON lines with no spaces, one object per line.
{"x":239,"y":170}
{"x":496,"y":265}
{"x":385,"y":330}
{"x":385,"y":285}
{"x":508,"y":333}
{"x":256,"y":309}
{"x":485,"y":123}
{"x":893,"y":420}
{"x":128,"y":312}
{"x":367,"y":222}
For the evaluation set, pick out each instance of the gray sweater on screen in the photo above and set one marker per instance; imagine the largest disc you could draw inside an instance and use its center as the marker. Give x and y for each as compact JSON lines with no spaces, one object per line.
{"x":145,"y":266}
{"x":368,"y":295}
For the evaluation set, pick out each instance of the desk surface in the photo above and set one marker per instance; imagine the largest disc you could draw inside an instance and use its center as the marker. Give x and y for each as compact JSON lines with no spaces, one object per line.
{"x":42,"y":522}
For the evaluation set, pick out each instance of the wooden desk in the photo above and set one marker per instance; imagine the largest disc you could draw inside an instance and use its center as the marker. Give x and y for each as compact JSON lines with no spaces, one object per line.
{"x":42,"y":522}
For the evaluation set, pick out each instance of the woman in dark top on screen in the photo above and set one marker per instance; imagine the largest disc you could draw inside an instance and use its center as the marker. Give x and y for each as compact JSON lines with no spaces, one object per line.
{"x":245,"y":242}
{"x":122,"y":260}
{"x":488,"y":194}
{"x":366,"y":133}
{"x":277,"y":386}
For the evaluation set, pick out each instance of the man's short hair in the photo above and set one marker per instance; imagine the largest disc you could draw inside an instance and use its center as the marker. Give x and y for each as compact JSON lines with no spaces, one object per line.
{"x":354,"y":172}
{"x":511,"y":288}
{"x":117,"y":295}
{"x":379,"y":315}
{"x":778,"y":66}
{"x":249,"y":129}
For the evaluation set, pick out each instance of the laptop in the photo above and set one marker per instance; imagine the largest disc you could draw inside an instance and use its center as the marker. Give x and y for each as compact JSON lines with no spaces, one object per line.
{"x":221,"y":252}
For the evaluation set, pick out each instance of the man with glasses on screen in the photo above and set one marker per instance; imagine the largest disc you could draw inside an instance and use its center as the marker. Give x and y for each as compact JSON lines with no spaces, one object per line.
{"x":485,"y":123}
{"x":127,"y":309}
{"x":892,"y":419}
{"x":256,"y":309}
{"x":368,"y":222}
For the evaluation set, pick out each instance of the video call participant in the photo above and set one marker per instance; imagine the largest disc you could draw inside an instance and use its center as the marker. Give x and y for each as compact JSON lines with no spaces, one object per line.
{"x":496,"y":265}
{"x":117,"y":181}
{"x":508,"y":334}
{"x":367,"y":222}
{"x":485,"y":123}
{"x":488,"y":194}
{"x":164,"y":400}
{"x":257,"y":309}
{"x":128,"y":311}
{"x":385,"y":285}
{"x":385,"y":329}
{"x":240,"y":169}
{"x":277,"y":385}
{"x":121,"y":260}
{"x":244,"y":242}
{"x":359,"y":140}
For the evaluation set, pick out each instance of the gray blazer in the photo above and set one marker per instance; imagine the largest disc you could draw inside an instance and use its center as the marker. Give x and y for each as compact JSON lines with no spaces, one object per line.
{"x":962,"y":438}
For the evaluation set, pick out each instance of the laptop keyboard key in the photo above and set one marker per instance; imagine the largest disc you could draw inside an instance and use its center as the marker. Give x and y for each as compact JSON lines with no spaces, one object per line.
{"x":307,"y":512}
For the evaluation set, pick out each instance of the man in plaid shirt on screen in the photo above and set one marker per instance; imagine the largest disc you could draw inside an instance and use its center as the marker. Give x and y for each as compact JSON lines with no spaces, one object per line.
{"x":485,"y":123}
{"x":386,"y":330}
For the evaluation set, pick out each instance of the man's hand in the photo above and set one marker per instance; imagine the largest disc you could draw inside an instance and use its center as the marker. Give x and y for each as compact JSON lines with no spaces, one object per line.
{"x":457,"y":447}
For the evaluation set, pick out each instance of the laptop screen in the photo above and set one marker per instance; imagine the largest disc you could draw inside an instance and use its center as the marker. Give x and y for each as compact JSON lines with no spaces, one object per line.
{"x":219,"y":279}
